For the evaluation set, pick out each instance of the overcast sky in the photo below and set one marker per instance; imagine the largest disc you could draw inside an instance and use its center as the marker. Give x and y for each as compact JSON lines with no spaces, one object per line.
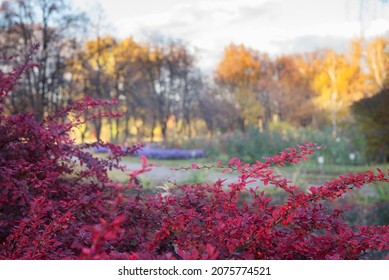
{"x":272,"y":26}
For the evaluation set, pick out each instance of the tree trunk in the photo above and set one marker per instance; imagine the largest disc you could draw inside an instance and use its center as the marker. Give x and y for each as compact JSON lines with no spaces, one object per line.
{"x":334,"y":112}
{"x":98,"y":126}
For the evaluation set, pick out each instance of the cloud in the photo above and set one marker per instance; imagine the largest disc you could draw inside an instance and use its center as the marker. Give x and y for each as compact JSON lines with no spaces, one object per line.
{"x":194,"y":17}
{"x":377,"y":27}
{"x":264,"y":11}
{"x":271,"y":26}
{"x":309,"y":43}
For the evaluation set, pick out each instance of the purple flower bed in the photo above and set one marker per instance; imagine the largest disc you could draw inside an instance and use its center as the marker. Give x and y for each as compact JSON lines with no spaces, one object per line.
{"x":101,"y":150}
{"x":160,"y":153}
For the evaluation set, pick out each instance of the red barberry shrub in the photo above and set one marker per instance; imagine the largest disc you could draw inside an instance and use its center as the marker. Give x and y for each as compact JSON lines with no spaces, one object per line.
{"x":214,"y":221}
{"x":49,"y":187}
{"x":57,"y":202}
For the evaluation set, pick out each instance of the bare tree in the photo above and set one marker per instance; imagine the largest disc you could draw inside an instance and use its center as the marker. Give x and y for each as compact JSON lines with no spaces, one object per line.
{"x":52,"y":25}
{"x":169,"y":69}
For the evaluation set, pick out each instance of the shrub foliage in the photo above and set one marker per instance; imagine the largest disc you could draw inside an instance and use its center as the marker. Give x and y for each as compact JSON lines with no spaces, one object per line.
{"x":57,"y":202}
{"x":373,"y":120}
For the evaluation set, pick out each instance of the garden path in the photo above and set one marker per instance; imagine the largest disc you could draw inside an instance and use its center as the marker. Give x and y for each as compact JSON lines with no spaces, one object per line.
{"x":161,"y":175}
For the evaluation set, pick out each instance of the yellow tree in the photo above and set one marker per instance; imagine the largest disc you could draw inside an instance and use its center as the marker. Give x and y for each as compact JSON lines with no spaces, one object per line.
{"x":238,"y":72}
{"x":337,"y":83}
{"x":99,"y":56}
{"x":238,"y":67}
{"x":92,"y":71}
{"x":168,"y":67}
{"x":294,"y":94}
{"x":378,"y":64}
{"x":308,"y":66}
{"x":129,"y":84}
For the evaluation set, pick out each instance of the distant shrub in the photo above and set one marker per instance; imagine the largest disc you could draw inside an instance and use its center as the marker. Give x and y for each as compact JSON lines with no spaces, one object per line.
{"x":373,"y":119}
{"x":254,"y":144}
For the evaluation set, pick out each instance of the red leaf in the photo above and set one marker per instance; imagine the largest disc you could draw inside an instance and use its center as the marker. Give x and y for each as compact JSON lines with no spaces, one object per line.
{"x":195,"y":166}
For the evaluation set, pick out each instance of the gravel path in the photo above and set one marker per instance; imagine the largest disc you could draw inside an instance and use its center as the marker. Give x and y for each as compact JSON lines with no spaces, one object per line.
{"x":160,"y":175}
